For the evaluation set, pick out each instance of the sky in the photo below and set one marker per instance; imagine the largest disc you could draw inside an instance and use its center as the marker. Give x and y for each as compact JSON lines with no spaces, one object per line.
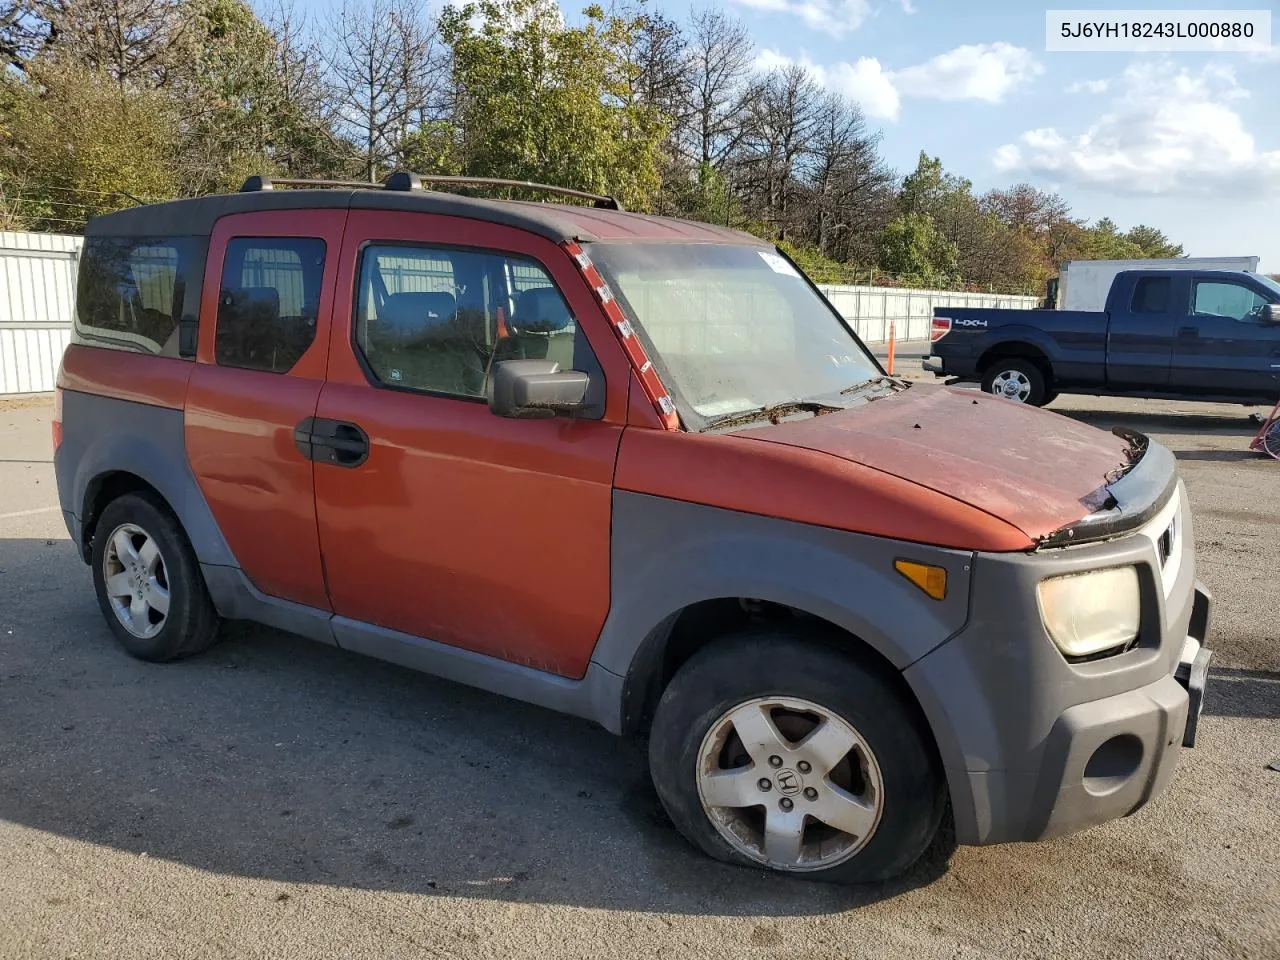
{"x":1186,"y":142}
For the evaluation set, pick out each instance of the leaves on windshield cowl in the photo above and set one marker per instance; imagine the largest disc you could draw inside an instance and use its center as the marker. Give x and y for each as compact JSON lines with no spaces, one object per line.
{"x":774,"y":413}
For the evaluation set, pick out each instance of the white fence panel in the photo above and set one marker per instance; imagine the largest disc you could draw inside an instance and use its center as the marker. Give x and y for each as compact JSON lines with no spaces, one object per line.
{"x":29,"y":358}
{"x":870,"y":310}
{"x":37,"y":296}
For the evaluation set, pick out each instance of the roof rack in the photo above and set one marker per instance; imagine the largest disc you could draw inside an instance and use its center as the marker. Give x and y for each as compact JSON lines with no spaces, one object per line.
{"x":402,"y":180}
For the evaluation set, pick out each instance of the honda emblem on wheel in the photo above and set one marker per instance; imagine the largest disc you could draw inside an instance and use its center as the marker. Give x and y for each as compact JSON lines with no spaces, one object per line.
{"x":788,"y":783}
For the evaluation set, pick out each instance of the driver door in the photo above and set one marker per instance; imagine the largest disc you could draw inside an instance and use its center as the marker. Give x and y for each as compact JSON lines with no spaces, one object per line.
{"x":439,"y":519}
{"x":1222,"y":346}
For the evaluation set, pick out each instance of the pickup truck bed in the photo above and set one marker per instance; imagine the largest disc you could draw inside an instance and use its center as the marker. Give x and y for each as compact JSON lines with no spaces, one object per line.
{"x":1177,"y":334}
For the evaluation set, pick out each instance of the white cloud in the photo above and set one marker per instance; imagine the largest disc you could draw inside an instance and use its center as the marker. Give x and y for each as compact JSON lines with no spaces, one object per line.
{"x":1168,"y":130}
{"x":987,"y":72}
{"x":983,"y":71}
{"x":867,"y":84}
{"x":1089,"y":86}
{"x":833,"y":17}
{"x":907,"y":6}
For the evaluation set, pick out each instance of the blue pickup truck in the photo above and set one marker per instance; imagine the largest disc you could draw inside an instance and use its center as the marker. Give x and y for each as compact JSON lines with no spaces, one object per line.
{"x":1174,"y":334}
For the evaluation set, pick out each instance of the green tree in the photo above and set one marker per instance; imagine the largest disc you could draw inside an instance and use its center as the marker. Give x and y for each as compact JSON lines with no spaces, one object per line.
{"x":75,"y":145}
{"x":1104,"y":241}
{"x":540,"y":100}
{"x":1153,"y":243}
{"x":913,"y":248}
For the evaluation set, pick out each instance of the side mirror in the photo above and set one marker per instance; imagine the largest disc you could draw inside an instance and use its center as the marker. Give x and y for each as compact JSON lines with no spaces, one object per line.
{"x":535,"y":388}
{"x":1270,"y":313}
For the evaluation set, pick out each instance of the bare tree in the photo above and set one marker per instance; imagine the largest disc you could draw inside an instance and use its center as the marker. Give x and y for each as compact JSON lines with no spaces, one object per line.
{"x":382,"y":62}
{"x":786,"y":115}
{"x":131,"y":40}
{"x":850,"y":188}
{"x":21,"y":32}
{"x":721,"y":57}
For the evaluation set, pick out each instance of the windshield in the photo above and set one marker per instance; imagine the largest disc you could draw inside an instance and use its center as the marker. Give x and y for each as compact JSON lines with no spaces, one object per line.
{"x":732,"y":328}
{"x":1270,"y":285}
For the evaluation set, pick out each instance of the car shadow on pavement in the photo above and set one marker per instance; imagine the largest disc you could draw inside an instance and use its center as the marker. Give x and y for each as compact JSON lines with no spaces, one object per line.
{"x":1191,"y":424}
{"x":1219,"y":456}
{"x":1252,"y":694}
{"x":277,"y":758}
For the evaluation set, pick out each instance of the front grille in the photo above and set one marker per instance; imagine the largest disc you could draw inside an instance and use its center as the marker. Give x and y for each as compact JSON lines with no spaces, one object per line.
{"x":1164,"y":546}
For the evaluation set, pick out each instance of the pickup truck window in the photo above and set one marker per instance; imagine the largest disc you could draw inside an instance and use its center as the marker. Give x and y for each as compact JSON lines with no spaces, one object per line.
{"x":1216,"y":298}
{"x":1151,"y":295}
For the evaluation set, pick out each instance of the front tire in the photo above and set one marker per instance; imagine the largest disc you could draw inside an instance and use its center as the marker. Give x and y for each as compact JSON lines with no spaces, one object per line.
{"x":775,"y":751}
{"x":148,"y":582}
{"x":1017,"y":379}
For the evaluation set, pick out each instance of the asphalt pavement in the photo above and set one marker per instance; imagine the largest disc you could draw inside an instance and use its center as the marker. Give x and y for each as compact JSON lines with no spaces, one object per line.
{"x":277,"y":798}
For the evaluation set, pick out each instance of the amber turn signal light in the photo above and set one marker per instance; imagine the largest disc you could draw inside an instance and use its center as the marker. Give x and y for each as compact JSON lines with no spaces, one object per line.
{"x":932,"y":580}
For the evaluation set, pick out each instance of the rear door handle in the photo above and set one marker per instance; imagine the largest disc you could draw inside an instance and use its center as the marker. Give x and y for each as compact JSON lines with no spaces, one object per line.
{"x":335,"y":442}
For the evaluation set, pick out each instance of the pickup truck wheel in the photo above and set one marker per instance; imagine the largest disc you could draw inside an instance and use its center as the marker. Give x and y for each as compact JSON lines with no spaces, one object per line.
{"x":148,"y":581}
{"x":770,"y":750}
{"x":1016,"y":379}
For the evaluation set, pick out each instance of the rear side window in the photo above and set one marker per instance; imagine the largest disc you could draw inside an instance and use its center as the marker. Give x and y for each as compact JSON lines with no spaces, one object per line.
{"x":1151,"y":295}
{"x":268,"y":302}
{"x":131,"y":291}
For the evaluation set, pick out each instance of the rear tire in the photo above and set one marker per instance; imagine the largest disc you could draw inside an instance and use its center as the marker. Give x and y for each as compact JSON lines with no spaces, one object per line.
{"x":1017,"y":379}
{"x":148,"y":581}
{"x":839,"y":782}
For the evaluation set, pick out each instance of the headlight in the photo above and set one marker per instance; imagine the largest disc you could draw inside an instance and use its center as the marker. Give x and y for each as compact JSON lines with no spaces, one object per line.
{"x":1086,"y":613}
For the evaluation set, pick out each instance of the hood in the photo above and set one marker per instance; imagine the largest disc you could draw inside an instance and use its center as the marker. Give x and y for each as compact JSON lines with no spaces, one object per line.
{"x":1036,"y":470}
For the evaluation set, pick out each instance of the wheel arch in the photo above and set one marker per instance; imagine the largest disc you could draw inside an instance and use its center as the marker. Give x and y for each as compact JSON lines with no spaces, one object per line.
{"x":112,"y":446}
{"x":677,"y":637}
{"x":685,"y":574}
{"x":103,"y":489}
{"x":1025,"y":348}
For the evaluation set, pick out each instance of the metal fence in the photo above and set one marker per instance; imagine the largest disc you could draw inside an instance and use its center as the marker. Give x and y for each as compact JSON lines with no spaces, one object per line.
{"x":38,"y":282}
{"x":870,"y":310}
{"x":37,"y":290}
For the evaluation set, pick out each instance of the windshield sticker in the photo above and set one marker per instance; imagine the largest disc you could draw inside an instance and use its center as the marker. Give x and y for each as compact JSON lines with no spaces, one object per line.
{"x":778,"y":264}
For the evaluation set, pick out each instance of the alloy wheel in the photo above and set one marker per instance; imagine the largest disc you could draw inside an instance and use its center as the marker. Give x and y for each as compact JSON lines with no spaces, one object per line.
{"x":137,"y":583}
{"x":789,"y":784}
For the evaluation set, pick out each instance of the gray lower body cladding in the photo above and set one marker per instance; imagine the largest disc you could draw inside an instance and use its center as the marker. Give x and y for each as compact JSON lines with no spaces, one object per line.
{"x":102,"y":436}
{"x":1035,"y":746}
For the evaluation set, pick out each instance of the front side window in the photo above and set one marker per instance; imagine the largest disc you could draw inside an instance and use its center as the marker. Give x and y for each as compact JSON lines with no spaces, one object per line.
{"x":437,"y":319}
{"x":131,"y":290}
{"x":268,"y":302}
{"x":1224,"y":299}
{"x":732,"y":328}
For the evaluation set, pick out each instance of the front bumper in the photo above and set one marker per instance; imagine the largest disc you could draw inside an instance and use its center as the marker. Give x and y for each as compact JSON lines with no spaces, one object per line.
{"x":1034,"y":746}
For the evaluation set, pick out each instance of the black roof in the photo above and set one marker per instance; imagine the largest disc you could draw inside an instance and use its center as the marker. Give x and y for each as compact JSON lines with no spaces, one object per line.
{"x":555,"y":221}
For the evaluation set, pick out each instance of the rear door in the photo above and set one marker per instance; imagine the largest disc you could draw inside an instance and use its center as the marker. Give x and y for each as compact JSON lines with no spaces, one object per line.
{"x":1222,"y":346}
{"x":263,"y":348}
{"x":456,"y":525}
{"x":1141,"y":329}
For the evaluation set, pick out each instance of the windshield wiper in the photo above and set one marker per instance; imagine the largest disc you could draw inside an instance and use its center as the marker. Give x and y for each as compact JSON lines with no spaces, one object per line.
{"x":773,"y":412}
{"x":867,"y":386}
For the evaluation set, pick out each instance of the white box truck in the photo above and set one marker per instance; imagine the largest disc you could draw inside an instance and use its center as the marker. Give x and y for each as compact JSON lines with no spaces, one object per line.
{"x":1084,"y":284}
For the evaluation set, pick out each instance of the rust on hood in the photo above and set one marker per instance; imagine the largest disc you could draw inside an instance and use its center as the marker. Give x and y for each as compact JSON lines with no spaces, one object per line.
{"x":1033,"y":469}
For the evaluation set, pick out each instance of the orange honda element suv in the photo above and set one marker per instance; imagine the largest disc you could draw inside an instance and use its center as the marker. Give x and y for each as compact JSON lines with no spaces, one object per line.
{"x":638,"y":470}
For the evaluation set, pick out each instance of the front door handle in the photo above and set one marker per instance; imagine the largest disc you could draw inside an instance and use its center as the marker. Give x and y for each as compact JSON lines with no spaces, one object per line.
{"x":335,"y":442}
